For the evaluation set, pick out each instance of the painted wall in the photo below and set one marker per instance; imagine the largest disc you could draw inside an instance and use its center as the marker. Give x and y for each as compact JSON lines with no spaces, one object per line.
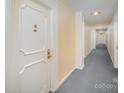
{"x":88,"y":38}
{"x":112,"y":41}
{"x":67,"y":39}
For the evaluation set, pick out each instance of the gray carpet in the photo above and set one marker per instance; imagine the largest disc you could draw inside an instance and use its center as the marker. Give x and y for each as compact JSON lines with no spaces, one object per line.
{"x":98,"y":75}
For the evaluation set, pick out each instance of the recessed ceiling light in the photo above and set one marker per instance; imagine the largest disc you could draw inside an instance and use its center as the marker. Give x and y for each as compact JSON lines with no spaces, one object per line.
{"x":95,"y":13}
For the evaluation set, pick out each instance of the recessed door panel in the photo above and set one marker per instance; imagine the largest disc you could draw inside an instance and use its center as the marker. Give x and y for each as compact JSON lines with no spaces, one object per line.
{"x":34,"y":28}
{"x":34,"y":79}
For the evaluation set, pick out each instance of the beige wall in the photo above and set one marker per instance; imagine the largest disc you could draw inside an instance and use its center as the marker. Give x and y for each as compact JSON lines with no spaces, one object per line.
{"x":112,"y":42}
{"x":87,"y":39}
{"x":66,"y":39}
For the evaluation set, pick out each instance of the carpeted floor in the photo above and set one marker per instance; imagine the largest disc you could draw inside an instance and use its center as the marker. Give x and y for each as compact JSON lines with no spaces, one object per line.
{"x":98,"y":75}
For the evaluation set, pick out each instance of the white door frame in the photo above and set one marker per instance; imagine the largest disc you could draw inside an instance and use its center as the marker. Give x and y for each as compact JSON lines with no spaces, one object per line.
{"x":115,"y":44}
{"x":80,"y":55}
{"x":93,"y":39}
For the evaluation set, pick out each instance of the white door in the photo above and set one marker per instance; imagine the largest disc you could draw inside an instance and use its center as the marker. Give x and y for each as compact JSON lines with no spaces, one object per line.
{"x":101,"y":37}
{"x":34,"y":48}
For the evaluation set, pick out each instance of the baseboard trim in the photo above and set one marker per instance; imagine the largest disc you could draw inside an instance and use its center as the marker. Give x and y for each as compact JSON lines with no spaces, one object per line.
{"x":115,"y":66}
{"x":110,"y":56}
{"x":63,"y":80}
{"x":80,"y":67}
{"x":89,"y":52}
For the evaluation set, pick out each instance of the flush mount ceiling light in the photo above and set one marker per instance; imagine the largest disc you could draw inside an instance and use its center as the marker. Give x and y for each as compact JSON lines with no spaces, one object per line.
{"x":95,"y":13}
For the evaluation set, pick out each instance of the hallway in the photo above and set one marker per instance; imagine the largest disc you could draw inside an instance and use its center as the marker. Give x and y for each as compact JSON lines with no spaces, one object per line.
{"x":49,"y":42}
{"x":98,"y":75}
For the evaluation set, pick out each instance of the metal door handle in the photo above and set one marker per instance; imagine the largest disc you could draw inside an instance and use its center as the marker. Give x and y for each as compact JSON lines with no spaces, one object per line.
{"x":49,"y":54}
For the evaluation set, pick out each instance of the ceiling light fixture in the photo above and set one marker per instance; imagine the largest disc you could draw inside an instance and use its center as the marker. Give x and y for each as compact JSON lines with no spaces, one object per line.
{"x":96,"y":13}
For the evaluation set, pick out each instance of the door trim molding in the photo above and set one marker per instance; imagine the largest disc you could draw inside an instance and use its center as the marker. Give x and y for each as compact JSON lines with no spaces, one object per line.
{"x":28,"y":5}
{"x":25,"y":67}
{"x":80,"y":55}
{"x":31,"y":52}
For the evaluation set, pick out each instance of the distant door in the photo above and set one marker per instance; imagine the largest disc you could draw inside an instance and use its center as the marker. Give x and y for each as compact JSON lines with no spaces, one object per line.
{"x":101,"y":37}
{"x":34,"y":45}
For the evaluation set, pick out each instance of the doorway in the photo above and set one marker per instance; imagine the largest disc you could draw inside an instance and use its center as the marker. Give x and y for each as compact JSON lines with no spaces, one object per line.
{"x":101,"y":38}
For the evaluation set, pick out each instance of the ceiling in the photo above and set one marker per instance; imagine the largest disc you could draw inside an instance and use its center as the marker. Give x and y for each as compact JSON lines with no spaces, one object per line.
{"x":106,"y":7}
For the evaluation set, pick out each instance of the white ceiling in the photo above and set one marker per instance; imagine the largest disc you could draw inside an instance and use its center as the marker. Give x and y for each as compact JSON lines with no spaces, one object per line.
{"x":106,"y":7}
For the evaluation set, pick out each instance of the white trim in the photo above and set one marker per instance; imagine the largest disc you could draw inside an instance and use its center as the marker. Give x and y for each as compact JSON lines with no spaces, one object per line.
{"x":43,"y":89}
{"x":63,"y":80}
{"x":31,"y":52}
{"x":80,"y":67}
{"x":93,"y":39}
{"x":115,"y":65}
{"x":54,"y":46}
{"x":115,"y":44}
{"x":30,"y":6}
{"x":31,"y":64}
{"x":110,"y":56}
{"x":79,"y":40}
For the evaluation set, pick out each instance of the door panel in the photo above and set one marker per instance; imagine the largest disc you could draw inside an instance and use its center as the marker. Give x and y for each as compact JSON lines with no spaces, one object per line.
{"x":101,"y":37}
{"x":33,"y":81}
{"x":34,"y":72}
{"x":33,"y":29}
